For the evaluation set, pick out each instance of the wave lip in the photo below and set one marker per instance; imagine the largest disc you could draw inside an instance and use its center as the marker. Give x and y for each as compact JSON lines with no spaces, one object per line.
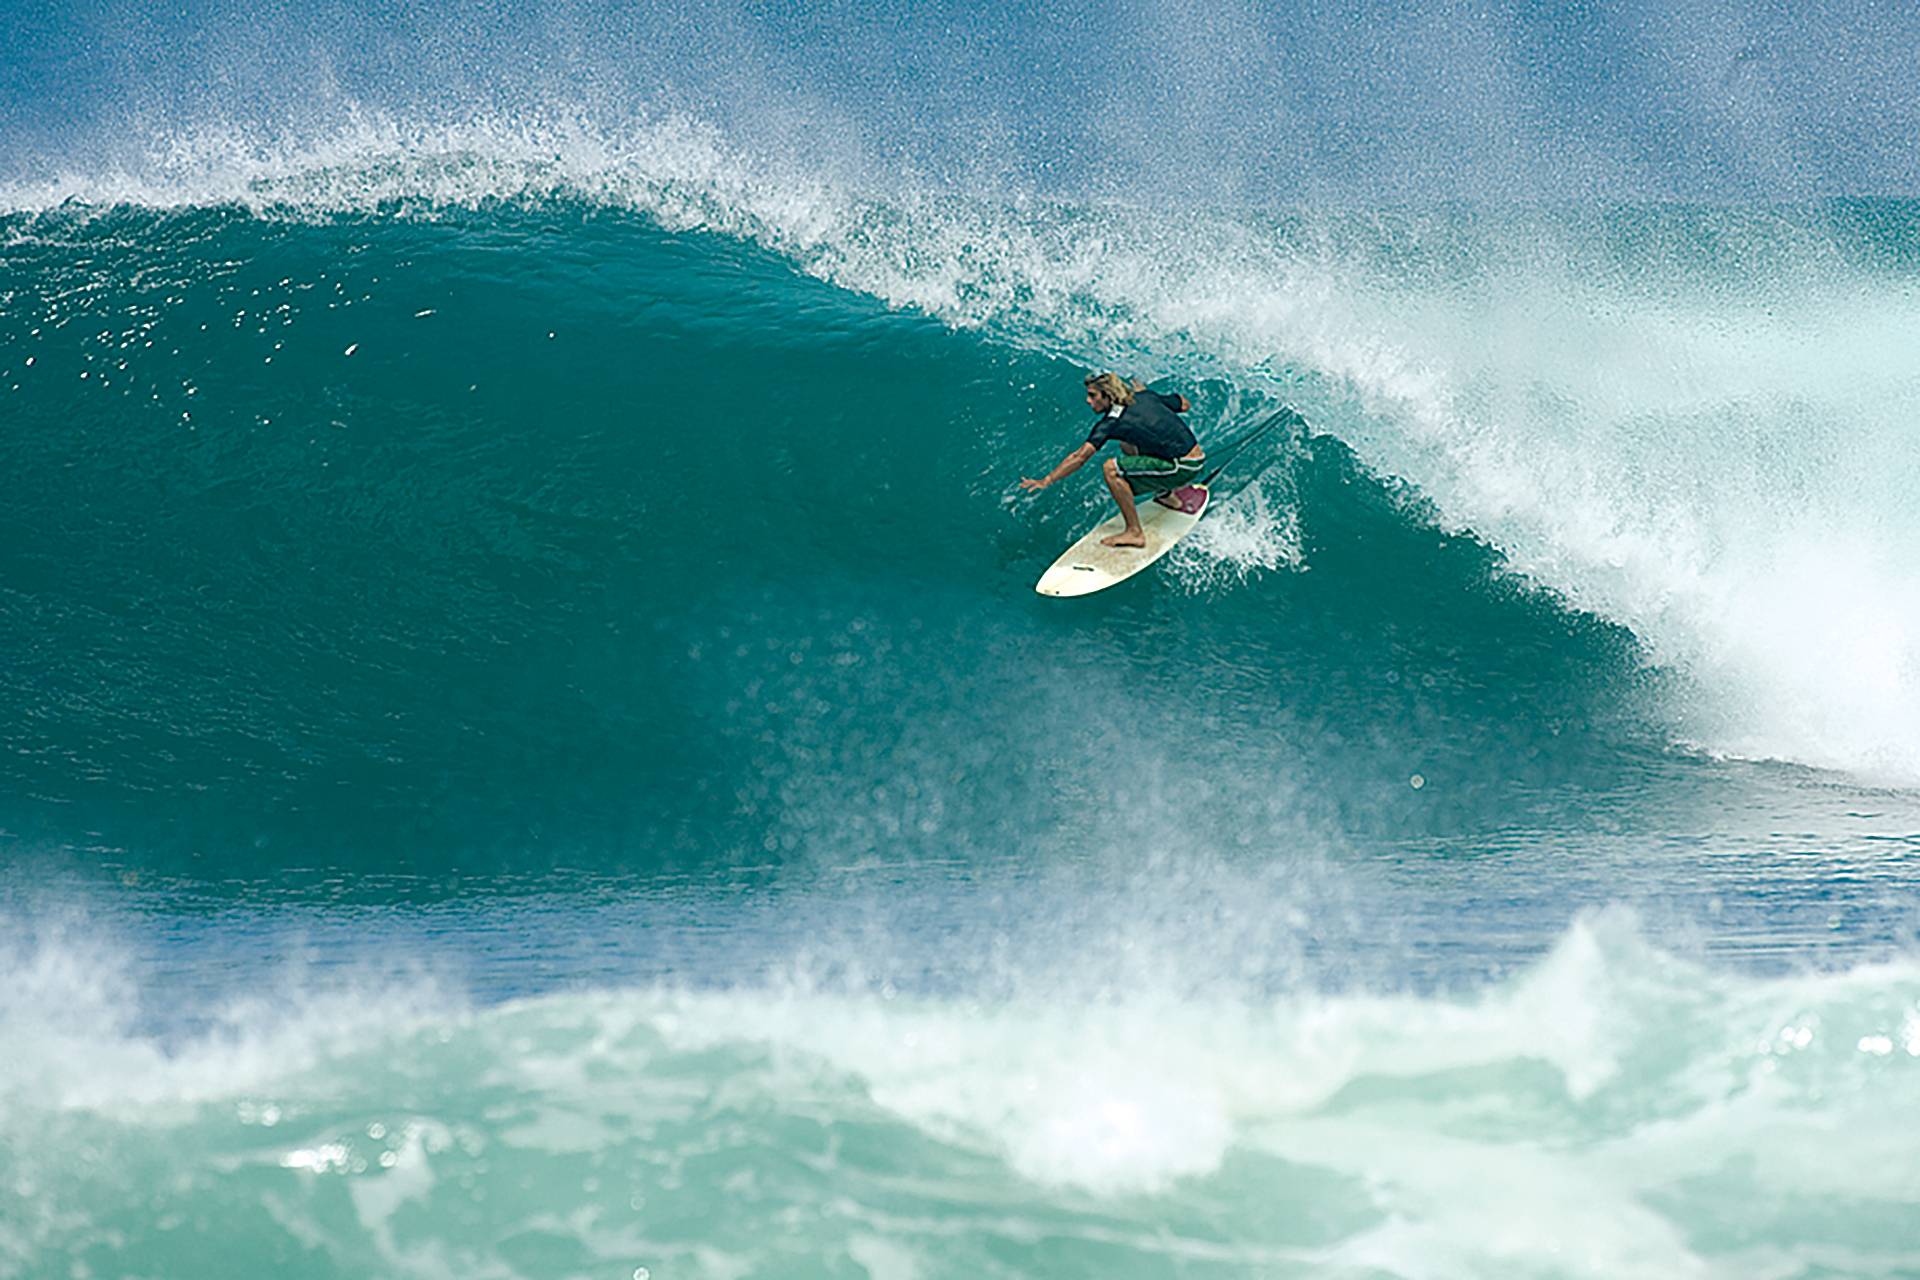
{"x":375,"y":162}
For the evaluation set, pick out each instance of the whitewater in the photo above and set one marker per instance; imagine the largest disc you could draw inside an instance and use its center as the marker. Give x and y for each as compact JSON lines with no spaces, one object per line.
{"x":528,"y":748}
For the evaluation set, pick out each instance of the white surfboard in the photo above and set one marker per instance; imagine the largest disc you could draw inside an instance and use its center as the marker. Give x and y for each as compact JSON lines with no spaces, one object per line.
{"x":1087,"y":567}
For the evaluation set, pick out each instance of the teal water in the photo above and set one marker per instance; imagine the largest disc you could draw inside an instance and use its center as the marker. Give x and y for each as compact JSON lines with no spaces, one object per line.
{"x":530,"y":750}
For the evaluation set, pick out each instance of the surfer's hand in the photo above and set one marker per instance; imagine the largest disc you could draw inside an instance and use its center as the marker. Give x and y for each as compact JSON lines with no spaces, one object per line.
{"x":1028,"y":482}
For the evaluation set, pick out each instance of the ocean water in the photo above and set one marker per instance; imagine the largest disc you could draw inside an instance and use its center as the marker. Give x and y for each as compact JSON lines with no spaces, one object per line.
{"x":528,"y":748}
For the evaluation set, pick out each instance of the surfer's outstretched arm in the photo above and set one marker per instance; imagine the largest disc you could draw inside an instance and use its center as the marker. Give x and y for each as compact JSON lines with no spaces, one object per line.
{"x":1068,"y":465}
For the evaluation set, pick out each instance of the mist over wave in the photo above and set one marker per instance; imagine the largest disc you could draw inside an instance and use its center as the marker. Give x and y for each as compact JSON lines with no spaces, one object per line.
{"x":1214,"y":100}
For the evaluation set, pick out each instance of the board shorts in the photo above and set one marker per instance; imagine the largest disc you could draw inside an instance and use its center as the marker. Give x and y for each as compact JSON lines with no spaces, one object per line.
{"x":1145,"y":474}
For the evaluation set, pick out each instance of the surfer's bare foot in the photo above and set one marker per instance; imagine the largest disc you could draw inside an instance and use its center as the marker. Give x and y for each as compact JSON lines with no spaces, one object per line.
{"x":1169,"y":501}
{"x":1125,"y":538}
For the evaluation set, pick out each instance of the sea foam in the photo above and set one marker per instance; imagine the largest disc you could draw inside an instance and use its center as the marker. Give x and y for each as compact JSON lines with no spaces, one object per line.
{"x":1653,"y":1117}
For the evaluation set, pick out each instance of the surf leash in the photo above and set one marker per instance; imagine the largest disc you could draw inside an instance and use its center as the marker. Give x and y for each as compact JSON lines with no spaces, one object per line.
{"x":1284,"y":414}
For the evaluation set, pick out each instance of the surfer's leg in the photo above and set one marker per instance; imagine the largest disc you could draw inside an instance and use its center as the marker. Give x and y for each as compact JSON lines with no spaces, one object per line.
{"x":1133,"y":535}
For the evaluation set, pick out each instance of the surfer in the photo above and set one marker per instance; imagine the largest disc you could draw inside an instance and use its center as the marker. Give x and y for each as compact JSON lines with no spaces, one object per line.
{"x":1158,"y":452}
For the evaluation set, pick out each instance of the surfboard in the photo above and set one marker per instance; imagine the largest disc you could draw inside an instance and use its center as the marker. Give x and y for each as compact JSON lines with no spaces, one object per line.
{"x":1087,"y":567}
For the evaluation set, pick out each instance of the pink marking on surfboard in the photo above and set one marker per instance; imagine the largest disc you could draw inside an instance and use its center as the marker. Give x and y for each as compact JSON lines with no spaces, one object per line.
{"x":1193,"y":499}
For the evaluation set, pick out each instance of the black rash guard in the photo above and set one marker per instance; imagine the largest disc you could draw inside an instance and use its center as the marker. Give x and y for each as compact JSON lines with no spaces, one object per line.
{"x":1151,"y":424}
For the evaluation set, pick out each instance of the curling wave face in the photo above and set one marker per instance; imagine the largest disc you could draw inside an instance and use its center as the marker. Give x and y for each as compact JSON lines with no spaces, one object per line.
{"x":1687,"y":421}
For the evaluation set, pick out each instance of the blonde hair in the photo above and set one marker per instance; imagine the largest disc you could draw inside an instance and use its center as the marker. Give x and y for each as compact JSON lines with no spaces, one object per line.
{"x":1112,"y":386}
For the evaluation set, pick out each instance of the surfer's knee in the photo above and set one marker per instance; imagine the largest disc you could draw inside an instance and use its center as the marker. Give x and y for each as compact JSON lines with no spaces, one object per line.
{"x":1111,"y":468}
